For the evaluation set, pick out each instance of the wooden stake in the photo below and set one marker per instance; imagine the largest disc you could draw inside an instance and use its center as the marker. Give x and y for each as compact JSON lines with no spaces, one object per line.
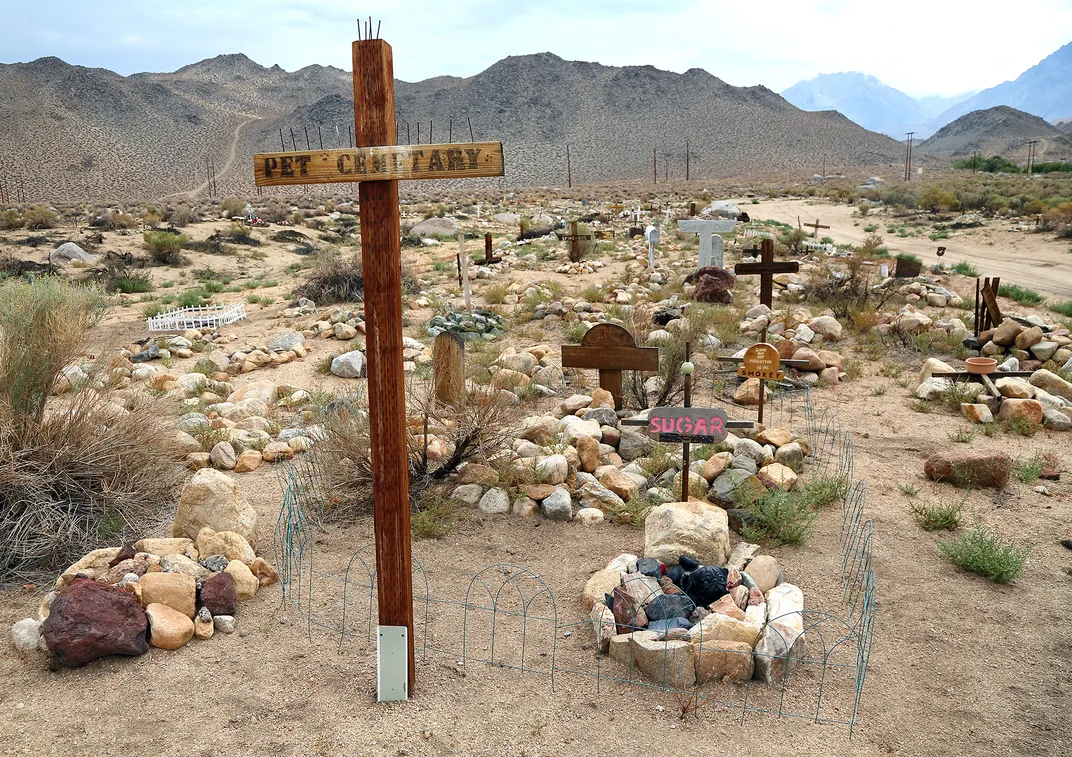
{"x":465,"y":270}
{"x":685,"y":445}
{"x":381,"y":253}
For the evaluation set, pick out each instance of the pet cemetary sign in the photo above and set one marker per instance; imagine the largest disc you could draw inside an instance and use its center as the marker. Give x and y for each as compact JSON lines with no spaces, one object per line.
{"x":378,"y":165}
{"x":712,"y":246}
{"x":611,"y":349}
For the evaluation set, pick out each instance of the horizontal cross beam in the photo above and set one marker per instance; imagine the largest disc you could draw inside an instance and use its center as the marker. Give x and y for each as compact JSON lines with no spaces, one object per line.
{"x":611,"y":358}
{"x":390,"y":163}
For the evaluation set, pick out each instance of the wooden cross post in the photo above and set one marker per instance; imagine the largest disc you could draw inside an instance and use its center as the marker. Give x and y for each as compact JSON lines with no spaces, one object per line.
{"x":816,"y":226}
{"x":377,"y":164}
{"x":766,"y":269}
{"x":575,"y":240}
{"x":611,"y":349}
{"x":489,"y":257}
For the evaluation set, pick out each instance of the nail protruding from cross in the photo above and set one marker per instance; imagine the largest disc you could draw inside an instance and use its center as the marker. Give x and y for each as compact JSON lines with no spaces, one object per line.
{"x":766,"y":268}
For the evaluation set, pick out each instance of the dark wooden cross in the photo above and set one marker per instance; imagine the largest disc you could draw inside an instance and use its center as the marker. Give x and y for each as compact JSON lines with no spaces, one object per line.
{"x":377,"y":164}
{"x":766,"y":269}
{"x":611,"y":349}
{"x":575,"y":240}
{"x":816,"y":226}
{"x":489,"y":257}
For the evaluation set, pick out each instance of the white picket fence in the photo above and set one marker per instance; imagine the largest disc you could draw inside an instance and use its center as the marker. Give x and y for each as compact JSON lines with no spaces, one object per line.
{"x":207,"y":316}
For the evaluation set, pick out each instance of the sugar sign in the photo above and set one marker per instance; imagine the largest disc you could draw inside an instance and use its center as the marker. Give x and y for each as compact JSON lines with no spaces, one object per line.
{"x":687,"y":424}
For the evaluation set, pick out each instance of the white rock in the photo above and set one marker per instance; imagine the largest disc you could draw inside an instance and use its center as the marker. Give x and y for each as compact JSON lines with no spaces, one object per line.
{"x":26,"y":635}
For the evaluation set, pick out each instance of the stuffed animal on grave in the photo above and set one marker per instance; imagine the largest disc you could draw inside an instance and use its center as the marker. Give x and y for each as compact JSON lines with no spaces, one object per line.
{"x":703,"y":583}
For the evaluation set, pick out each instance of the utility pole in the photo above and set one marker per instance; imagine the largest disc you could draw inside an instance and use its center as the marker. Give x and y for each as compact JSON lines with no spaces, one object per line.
{"x":1031,"y":155}
{"x":686,"y":160}
{"x":569,"y":169}
{"x":654,"y":166}
{"x":908,"y":157}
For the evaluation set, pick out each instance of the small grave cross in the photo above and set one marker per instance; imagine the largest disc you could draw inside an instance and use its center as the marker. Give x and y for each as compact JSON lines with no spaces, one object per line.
{"x":377,"y":163}
{"x":766,"y":269}
{"x":651,"y":236}
{"x":712,"y":246}
{"x":611,"y":349}
{"x":816,"y":226}
{"x":575,"y":240}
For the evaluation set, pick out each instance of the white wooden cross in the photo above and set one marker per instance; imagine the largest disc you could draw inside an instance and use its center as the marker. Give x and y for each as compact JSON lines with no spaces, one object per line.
{"x":651,"y":234}
{"x":712,"y":247}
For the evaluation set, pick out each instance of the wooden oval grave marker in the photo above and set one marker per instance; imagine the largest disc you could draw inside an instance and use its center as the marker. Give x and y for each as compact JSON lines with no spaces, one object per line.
{"x":761,"y":361}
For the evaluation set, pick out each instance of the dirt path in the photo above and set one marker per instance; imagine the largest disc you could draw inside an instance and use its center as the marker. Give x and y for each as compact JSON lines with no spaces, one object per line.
{"x":1036,"y":261}
{"x":232,"y":153}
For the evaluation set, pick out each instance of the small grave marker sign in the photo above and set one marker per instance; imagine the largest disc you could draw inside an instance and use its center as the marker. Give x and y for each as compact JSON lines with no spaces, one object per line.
{"x":651,"y":236}
{"x":761,"y":361}
{"x":702,"y":425}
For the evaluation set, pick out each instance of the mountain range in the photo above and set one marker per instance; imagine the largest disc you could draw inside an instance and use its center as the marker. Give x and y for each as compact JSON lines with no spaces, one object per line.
{"x":1000,"y":130}
{"x":71,"y":132}
{"x":1044,"y":90}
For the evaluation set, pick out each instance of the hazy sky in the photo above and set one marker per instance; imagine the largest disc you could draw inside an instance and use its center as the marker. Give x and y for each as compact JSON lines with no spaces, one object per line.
{"x":921,"y":47}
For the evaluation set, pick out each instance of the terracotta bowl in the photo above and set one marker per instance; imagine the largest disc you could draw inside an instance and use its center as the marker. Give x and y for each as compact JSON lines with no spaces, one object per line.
{"x":981,"y":365}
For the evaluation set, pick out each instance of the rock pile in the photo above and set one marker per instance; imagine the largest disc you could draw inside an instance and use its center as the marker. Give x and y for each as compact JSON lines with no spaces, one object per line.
{"x":585,"y":465}
{"x":683,"y":623}
{"x":797,"y":336}
{"x":1030,"y":340}
{"x":470,"y":326}
{"x":159,"y":592}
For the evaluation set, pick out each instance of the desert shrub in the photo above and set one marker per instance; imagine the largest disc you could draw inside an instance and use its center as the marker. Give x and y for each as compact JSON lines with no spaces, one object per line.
{"x":864,"y":208}
{"x":239,"y":233}
{"x":779,"y":518}
{"x":1020,"y":294}
{"x":935,"y":199}
{"x":11,"y":219}
{"x":1064,"y":308}
{"x":131,"y":284}
{"x":231,"y":207}
{"x":113,"y":220}
{"x":434,"y":516}
{"x":164,"y":246}
{"x":964,"y":268}
{"x":83,"y":472}
{"x":477,"y":429}
{"x":987,"y":554}
{"x":1028,"y":471}
{"x":495,"y":293}
{"x":937,"y":516}
{"x":193,"y":298}
{"x":852,"y":292}
{"x":334,"y":278}
{"x":873,"y":246}
{"x":39,"y":217}
{"x":181,"y":215}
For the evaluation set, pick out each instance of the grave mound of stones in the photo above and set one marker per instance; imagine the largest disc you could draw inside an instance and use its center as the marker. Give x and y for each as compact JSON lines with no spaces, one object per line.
{"x":159,"y":592}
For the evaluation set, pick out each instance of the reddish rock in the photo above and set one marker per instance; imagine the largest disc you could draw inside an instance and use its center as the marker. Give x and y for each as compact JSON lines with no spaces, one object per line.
{"x":713,"y":284}
{"x":88,"y":620}
{"x":126,"y":553}
{"x":218,"y":595}
{"x":626,"y":619}
{"x":970,"y":468}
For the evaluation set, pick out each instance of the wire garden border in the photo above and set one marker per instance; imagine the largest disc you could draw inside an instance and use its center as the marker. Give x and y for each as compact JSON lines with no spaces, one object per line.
{"x":205,"y":316}
{"x":815,"y":660}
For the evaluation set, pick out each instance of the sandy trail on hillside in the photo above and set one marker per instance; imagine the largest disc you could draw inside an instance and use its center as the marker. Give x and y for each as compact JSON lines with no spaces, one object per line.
{"x":1036,"y":261}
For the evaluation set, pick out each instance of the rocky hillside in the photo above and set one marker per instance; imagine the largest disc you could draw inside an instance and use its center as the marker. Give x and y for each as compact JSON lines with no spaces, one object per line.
{"x":77,"y":133}
{"x":999,"y":131}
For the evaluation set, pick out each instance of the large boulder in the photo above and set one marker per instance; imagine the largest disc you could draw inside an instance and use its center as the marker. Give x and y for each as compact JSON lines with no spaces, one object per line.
{"x":168,"y":628}
{"x":633,"y":444}
{"x":670,"y":662}
{"x":828,"y":326}
{"x":67,"y":252}
{"x":288,"y":340}
{"x":218,"y":594}
{"x":348,"y":365}
{"x":781,"y":644}
{"x":723,"y":662}
{"x":176,"y":590}
{"x":1052,"y":383}
{"x":1021,"y":410}
{"x":713,"y":284}
{"x":693,"y":528}
{"x":88,"y":620}
{"x":211,"y":498}
{"x":435,"y":227}
{"x":970,"y":468}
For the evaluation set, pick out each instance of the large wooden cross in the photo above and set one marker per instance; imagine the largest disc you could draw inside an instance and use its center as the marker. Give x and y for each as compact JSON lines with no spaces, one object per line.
{"x":575,"y":240}
{"x":611,"y":349}
{"x":816,"y":226}
{"x":766,"y":269}
{"x":378,"y":164}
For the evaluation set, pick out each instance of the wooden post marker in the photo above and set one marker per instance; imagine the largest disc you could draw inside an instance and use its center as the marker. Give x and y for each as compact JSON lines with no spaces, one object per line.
{"x":762,"y":362}
{"x":712,"y":246}
{"x":610,"y":349}
{"x":766,"y":269}
{"x":816,"y":226}
{"x":489,"y":257}
{"x":377,"y":163}
{"x":448,"y":369}
{"x":464,"y":261}
{"x":575,"y":240}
